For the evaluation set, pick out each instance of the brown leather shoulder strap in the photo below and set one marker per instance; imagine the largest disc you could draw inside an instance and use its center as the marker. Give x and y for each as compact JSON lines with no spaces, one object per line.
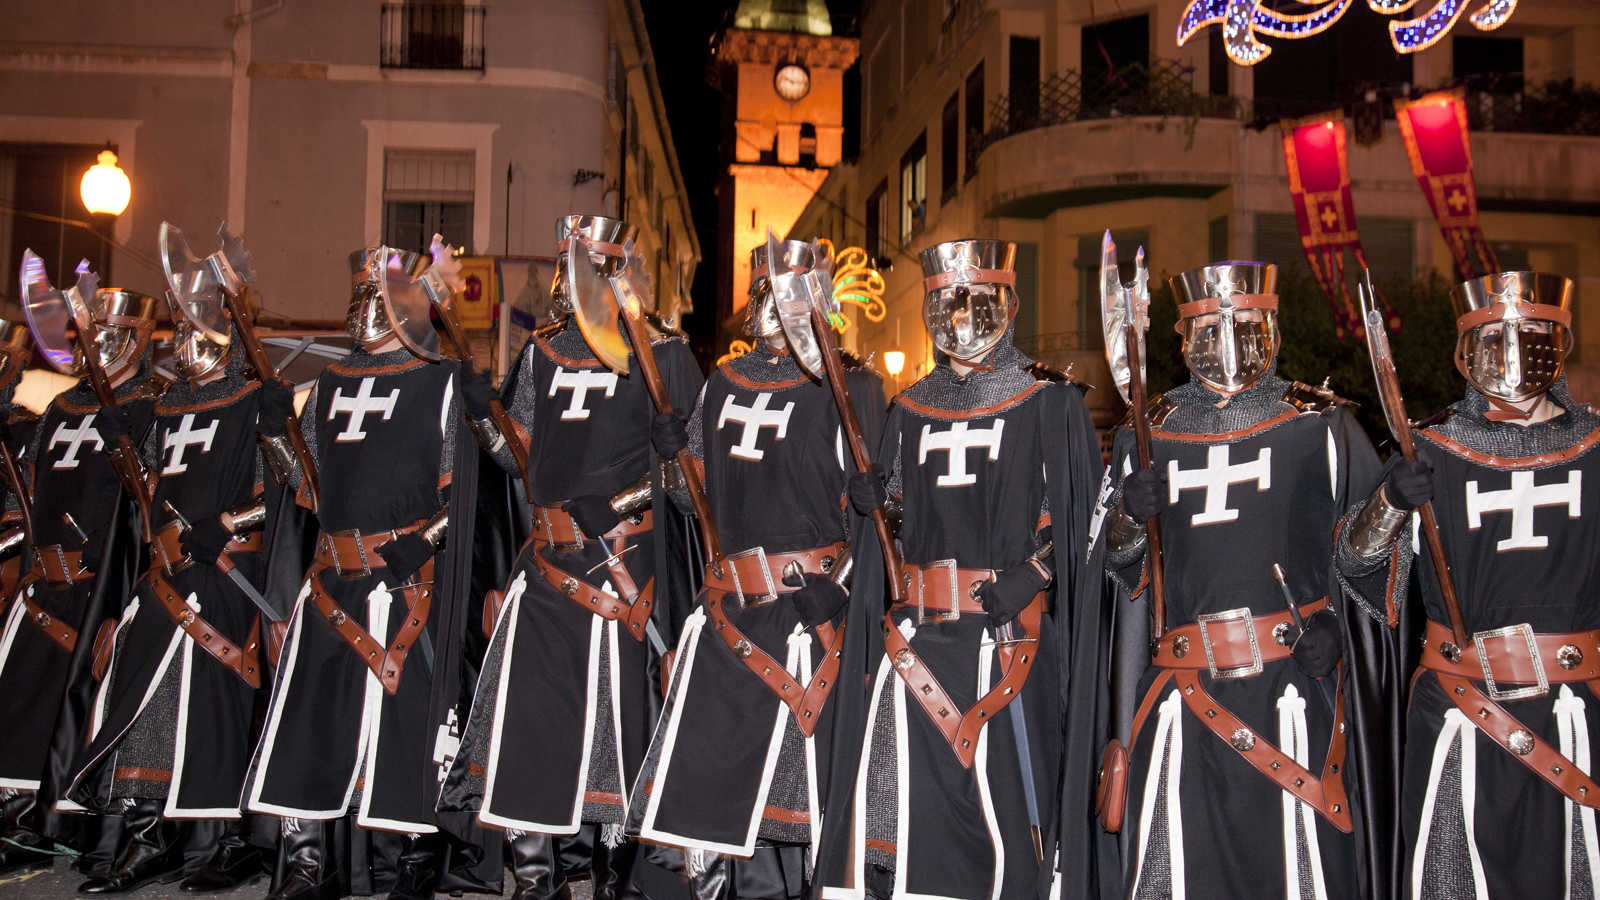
{"x":65,"y":636}
{"x":244,"y":663}
{"x":1520,"y":741}
{"x":806,"y":703}
{"x":386,"y":662}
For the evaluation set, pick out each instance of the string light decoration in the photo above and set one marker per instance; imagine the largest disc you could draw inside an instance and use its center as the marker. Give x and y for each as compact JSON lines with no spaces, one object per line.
{"x":855,"y":281}
{"x":1242,"y":20}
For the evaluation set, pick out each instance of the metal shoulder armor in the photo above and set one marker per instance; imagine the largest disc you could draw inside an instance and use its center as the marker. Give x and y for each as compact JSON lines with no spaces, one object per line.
{"x":1312,"y":400}
{"x":1156,"y":411}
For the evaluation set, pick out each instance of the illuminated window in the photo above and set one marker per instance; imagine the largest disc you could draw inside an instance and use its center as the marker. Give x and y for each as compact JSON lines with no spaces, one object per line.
{"x":914,"y":188}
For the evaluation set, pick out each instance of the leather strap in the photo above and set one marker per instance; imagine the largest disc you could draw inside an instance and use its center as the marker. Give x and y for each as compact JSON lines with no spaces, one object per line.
{"x":960,"y":729}
{"x":1326,"y":794}
{"x":1213,"y":304}
{"x":353,"y":554}
{"x":806,"y":703}
{"x":744,"y":575}
{"x":1494,"y":312}
{"x":1233,"y":645}
{"x":969,"y":276}
{"x":56,"y":630}
{"x":60,"y":566}
{"x":552,"y":525}
{"x":1521,"y":742}
{"x":942,"y":590}
{"x":245,"y":663}
{"x":1562,"y":658}
{"x":168,"y":546}
{"x":387,"y":663}
{"x":631,"y":607}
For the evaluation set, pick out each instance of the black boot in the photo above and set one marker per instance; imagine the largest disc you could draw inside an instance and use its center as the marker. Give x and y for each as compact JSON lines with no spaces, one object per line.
{"x":108,"y":832}
{"x":234,"y":862}
{"x":153,"y":853}
{"x":420,"y":868}
{"x":22,"y":847}
{"x":613,"y":880}
{"x":537,"y":869}
{"x":308,"y":874}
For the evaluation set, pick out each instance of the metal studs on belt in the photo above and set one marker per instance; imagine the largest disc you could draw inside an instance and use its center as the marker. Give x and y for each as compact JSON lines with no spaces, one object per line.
{"x":1450,"y":651}
{"x":337,"y":617}
{"x":1520,"y":741}
{"x":904,"y":659}
{"x":826,"y":564}
{"x":43,"y":618}
{"x":187,"y":618}
{"x":1280,"y":634}
{"x":569,"y":586}
{"x":1569,"y":656}
{"x":1243,"y":740}
{"x":741,"y":648}
{"x":1180,"y":646}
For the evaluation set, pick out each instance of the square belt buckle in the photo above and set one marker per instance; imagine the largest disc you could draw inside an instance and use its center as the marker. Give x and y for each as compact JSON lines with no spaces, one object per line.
{"x":1242,"y":617}
{"x":948,"y":615}
{"x":550,"y":532}
{"x":1525,"y":631}
{"x":746,"y":601}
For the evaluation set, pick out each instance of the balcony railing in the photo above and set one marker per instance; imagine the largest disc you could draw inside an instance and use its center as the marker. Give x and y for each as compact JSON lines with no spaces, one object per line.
{"x":432,"y":36}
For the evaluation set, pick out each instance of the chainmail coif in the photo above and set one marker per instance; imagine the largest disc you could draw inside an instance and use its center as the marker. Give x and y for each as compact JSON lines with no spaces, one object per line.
{"x":1470,"y":426}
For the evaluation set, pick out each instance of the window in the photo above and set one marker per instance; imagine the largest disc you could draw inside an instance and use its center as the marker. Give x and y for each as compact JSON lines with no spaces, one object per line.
{"x":1088,"y":265}
{"x":1489,"y":63}
{"x":914,"y":188}
{"x":1116,"y":59}
{"x":616,"y":76}
{"x":950,"y":148}
{"x":1218,"y":67}
{"x":975,"y":117}
{"x":1328,"y":68}
{"x":42,"y":180}
{"x":427,"y":192}
{"x":1217,"y":239}
{"x":1027,"y":321}
{"x":1024,"y":85}
{"x":431,"y":36}
{"x":877,"y":219}
{"x":883,"y":79}
{"x":633,"y":129}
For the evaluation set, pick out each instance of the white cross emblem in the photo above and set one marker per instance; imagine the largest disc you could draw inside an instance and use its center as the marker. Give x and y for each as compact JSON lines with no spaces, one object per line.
{"x":181,"y":440}
{"x":1216,"y":478}
{"x":76,"y":438}
{"x":754,"y":417}
{"x":359,"y":407}
{"x":446,"y":744}
{"x":580,"y":382}
{"x":956,"y":442}
{"x":1521,"y":499}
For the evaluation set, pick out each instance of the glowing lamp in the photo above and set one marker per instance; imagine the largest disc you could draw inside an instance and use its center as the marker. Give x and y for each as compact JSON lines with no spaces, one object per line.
{"x":894,"y":361}
{"x":105,"y":187}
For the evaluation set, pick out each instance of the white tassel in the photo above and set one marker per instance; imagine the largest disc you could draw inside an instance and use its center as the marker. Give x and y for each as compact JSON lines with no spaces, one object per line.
{"x":697,"y":862}
{"x":611,"y":835}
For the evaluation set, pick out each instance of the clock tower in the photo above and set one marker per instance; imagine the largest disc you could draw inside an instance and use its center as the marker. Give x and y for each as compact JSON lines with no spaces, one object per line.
{"x":780,"y":70}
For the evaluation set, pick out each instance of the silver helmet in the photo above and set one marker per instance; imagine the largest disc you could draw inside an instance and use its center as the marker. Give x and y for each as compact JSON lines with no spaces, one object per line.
{"x":366,"y":320}
{"x":969,"y":295}
{"x":1514,"y":332}
{"x":1228,"y":316}
{"x":195,"y":357}
{"x":761,"y":312}
{"x":607,"y":239}
{"x":125,"y":320}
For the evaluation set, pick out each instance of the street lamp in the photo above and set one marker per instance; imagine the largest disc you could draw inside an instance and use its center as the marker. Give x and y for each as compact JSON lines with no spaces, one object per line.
{"x":894,"y":361}
{"x":105,"y":188}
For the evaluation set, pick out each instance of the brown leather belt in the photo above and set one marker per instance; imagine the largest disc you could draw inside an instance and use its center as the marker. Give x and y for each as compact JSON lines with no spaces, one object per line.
{"x":1236,"y":644}
{"x":60,"y":566}
{"x":941,"y":591}
{"x":1517,"y":655}
{"x":245,"y":663}
{"x":552,"y":525}
{"x":940,"y":597}
{"x":169,"y":547}
{"x":56,"y":630}
{"x":632,"y":604}
{"x":353,"y":554}
{"x":755,"y":567}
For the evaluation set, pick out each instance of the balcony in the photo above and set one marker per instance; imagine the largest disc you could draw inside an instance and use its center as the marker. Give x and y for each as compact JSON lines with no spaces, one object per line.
{"x":431,"y":36}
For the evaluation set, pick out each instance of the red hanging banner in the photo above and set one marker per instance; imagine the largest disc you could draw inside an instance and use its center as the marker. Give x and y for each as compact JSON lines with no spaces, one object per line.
{"x":1435,"y":132}
{"x":1319,"y":183}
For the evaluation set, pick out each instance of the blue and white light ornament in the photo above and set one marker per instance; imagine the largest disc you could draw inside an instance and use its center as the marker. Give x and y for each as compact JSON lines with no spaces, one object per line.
{"x":1242,"y":20}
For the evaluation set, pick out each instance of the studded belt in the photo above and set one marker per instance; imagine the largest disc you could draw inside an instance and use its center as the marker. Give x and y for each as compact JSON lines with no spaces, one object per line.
{"x":64,"y":635}
{"x":245,"y":662}
{"x":1517,"y":655}
{"x":353,"y":554}
{"x":759,"y":585}
{"x":169,"y":547}
{"x":387,"y":662}
{"x":1231,"y":644}
{"x":941,"y":591}
{"x":60,"y":566}
{"x":631,"y":605}
{"x":552,"y":525}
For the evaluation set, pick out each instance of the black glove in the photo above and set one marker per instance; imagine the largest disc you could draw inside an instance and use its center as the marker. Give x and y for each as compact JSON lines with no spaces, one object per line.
{"x":818,"y":599}
{"x":205,"y":541}
{"x":1143,"y":491}
{"x":867,"y":491}
{"x":1011,"y":591}
{"x":668,"y":435}
{"x":476,"y":393}
{"x":112,"y":422}
{"x":1320,"y":646}
{"x":277,"y":405}
{"x":404,"y":555}
{"x":593,"y":514}
{"x":1410,"y":484}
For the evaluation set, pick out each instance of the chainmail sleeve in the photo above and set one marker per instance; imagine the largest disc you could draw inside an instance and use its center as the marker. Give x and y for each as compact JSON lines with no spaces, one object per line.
{"x":25,"y":464}
{"x":678,"y":489}
{"x":1376,"y":584}
{"x":448,"y":431}
{"x":308,"y":430}
{"x":517,"y":394}
{"x":150,"y":449}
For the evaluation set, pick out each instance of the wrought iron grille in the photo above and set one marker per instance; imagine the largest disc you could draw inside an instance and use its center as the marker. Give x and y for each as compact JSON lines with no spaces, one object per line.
{"x":432,"y":36}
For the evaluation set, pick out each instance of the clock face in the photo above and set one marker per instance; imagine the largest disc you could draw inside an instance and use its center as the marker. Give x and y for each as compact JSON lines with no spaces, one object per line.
{"x":792,"y":81}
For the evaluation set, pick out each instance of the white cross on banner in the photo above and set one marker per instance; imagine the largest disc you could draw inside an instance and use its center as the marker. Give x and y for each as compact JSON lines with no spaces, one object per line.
{"x":179,"y":442}
{"x":580,"y":382}
{"x":359,"y":407}
{"x":75,"y":438}
{"x":1521,"y":499}
{"x":956,"y":442}
{"x":1215,"y":479}
{"x":754,"y":417}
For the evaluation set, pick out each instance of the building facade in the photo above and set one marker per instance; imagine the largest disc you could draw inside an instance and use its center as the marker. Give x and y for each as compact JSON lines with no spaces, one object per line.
{"x":1046,"y":122}
{"x":318,"y":128}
